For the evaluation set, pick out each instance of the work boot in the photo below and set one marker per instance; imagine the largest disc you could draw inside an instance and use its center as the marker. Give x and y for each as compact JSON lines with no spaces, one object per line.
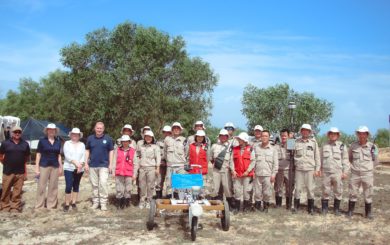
{"x":176,"y":195}
{"x":127,"y":202}
{"x":230,"y":202}
{"x":368,"y":211}
{"x":296,"y":205}
{"x":288,"y":204}
{"x":117,"y":203}
{"x":351,"y":207}
{"x":122,"y":203}
{"x":278,"y":201}
{"x":266,"y":205}
{"x":258,"y":205}
{"x":158,"y":194}
{"x":324,"y":208}
{"x":246,"y":206}
{"x":310,"y":206}
{"x":237,"y":204}
{"x":336,"y":207}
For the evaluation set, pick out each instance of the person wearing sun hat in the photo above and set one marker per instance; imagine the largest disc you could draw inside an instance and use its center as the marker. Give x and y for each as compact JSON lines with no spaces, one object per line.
{"x":242,"y":156}
{"x":363,"y":156}
{"x":14,"y":154}
{"x":48,"y":167}
{"x":198,"y":125}
{"x":147,"y":168}
{"x":127,"y":129}
{"x":257,"y":136}
{"x":167,"y":131}
{"x":307,"y":166}
{"x":74,"y":152}
{"x":334,"y":168}
{"x":174,"y":153}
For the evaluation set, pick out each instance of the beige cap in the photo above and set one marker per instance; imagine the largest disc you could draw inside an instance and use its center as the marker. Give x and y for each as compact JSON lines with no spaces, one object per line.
{"x":16,"y":128}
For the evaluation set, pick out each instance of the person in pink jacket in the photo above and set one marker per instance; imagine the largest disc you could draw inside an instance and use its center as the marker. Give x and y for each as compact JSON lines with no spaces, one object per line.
{"x":124,"y":159}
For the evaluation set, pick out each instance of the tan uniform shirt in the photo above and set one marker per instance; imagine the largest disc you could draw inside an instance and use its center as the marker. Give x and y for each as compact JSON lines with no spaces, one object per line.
{"x":150,"y":156}
{"x":283,"y":156}
{"x":307,"y":155}
{"x":253,"y":142}
{"x":334,"y":157}
{"x":175,"y":150}
{"x":216,"y":149}
{"x":266,"y":162}
{"x":160,"y":144}
{"x":363,"y":157}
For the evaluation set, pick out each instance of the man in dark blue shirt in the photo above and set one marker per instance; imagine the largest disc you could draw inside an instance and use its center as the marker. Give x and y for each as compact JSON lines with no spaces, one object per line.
{"x":99,"y":153}
{"x":14,"y":154}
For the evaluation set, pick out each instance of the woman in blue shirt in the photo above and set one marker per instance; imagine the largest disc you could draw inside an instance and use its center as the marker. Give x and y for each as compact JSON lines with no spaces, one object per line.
{"x":48,"y":167}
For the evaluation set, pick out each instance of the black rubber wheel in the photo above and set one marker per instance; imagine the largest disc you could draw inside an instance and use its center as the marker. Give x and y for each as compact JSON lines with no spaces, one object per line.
{"x":194,"y":227}
{"x":152,"y":212}
{"x":225,"y":219}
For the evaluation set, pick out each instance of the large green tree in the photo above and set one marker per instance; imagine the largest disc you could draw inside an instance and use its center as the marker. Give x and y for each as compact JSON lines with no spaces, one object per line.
{"x":131,"y":74}
{"x":269,"y":108}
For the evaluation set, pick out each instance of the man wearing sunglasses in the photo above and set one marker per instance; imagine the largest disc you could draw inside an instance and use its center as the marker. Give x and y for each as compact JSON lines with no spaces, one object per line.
{"x":14,"y":154}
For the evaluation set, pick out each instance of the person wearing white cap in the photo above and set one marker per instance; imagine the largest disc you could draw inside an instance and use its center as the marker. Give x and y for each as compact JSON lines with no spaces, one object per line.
{"x":98,"y":162}
{"x":147,"y":168}
{"x":127,"y":129}
{"x":14,"y":154}
{"x":174,"y":153}
{"x":239,"y":164}
{"x":167,"y":131}
{"x":282,"y":178}
{"x":125,"y":159}
{"x":307,"y":166}
{"x":334,"y":168}
{"x":266,"y":165}
{"x":229,"y":126}
{"x":48,"y":167}
{"x":142,"y":141}
{"x":256,"y":140}
{"x":363,"y":156}
{"x":74,"y":152}
{"x":198,"y":125}
{"x":219,"y":157}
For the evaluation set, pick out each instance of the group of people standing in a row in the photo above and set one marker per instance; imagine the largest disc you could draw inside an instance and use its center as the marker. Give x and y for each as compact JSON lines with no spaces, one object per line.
{"x":244,"y":168}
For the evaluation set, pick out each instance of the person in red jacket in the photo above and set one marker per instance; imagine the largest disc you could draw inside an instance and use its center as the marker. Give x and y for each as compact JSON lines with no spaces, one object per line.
{"x":242,"y":155}
{"x":197,"y":153}
{"x":125,"y":158}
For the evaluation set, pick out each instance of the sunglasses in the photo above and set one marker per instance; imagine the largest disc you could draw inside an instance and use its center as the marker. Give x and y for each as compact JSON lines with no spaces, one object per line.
{"x":17,"y":132}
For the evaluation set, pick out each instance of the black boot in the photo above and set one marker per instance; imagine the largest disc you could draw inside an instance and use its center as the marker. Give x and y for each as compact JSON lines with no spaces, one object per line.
{"x":278,"y":201}
{"x":336,"y":207}
{"x":310,"y":206}
{"x":158,"y":194}
{"x":246,"y":206}
{"x":266,"y":205}
{"x":258,"y":205}
{"x":230,"y":201}
{"x":122,"y":203}
{"x":351,"y":207}
{"x":296,"y":205}
{"x":118,"y":203}
{"x":324,"y":208}
{"x":368,"y":211}
{"x":288,"y":204}
{"x":127,"y":202}
{"x":237,"y":204}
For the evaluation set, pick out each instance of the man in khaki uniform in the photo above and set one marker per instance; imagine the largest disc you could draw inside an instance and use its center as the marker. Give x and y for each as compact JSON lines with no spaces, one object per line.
{"x":256,"y":140}
{"x":147,"y":167}
{"x":174,"y":153}
{"x":335,"y":167}
{"x":282,"y":178}
{"x":266,"y":167}
{"x":307,"y":166}
{"x":219,"y":157}
{"x":167,"y":131}
{"x":363,"y":156}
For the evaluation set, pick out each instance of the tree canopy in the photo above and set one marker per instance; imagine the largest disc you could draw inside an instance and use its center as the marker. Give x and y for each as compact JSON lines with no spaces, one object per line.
{"x":269,"y":108}
{"x":131,"y":74}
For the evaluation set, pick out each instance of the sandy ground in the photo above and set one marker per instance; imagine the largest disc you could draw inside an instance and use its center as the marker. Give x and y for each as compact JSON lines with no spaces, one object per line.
{"x":86,"y":226}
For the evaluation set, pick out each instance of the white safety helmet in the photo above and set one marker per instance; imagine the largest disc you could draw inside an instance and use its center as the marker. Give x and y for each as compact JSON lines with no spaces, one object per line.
{"x":306,"y":126}
{"x":362,"y":129}
{"x":258,"y":127}
{"x":200,"y":133}
{"x":223,"y":132}
{"x":167,"y":128}
{"x":243,"y":136}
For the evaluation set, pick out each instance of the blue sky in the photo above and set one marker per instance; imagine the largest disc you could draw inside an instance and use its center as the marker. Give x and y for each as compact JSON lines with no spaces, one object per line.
{"x":339,"y":50}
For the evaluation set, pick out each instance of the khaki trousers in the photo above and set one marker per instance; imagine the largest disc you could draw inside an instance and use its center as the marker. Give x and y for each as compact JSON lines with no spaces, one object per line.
{"x":161,"y":178}
{"x":147,"y":180}
{"x":364,"y":179}
{"x":281,"y":180}
{"x":12,"y":200}
{"x":48,"y":178}
{"x":99,"y":178}
{"x":123,"y":186}
{"x":332,"y":181}
{"x":222,"y":178}
{"x":304,"y":181}
{"x":263,"y":188}
{"x":242,"y":188}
